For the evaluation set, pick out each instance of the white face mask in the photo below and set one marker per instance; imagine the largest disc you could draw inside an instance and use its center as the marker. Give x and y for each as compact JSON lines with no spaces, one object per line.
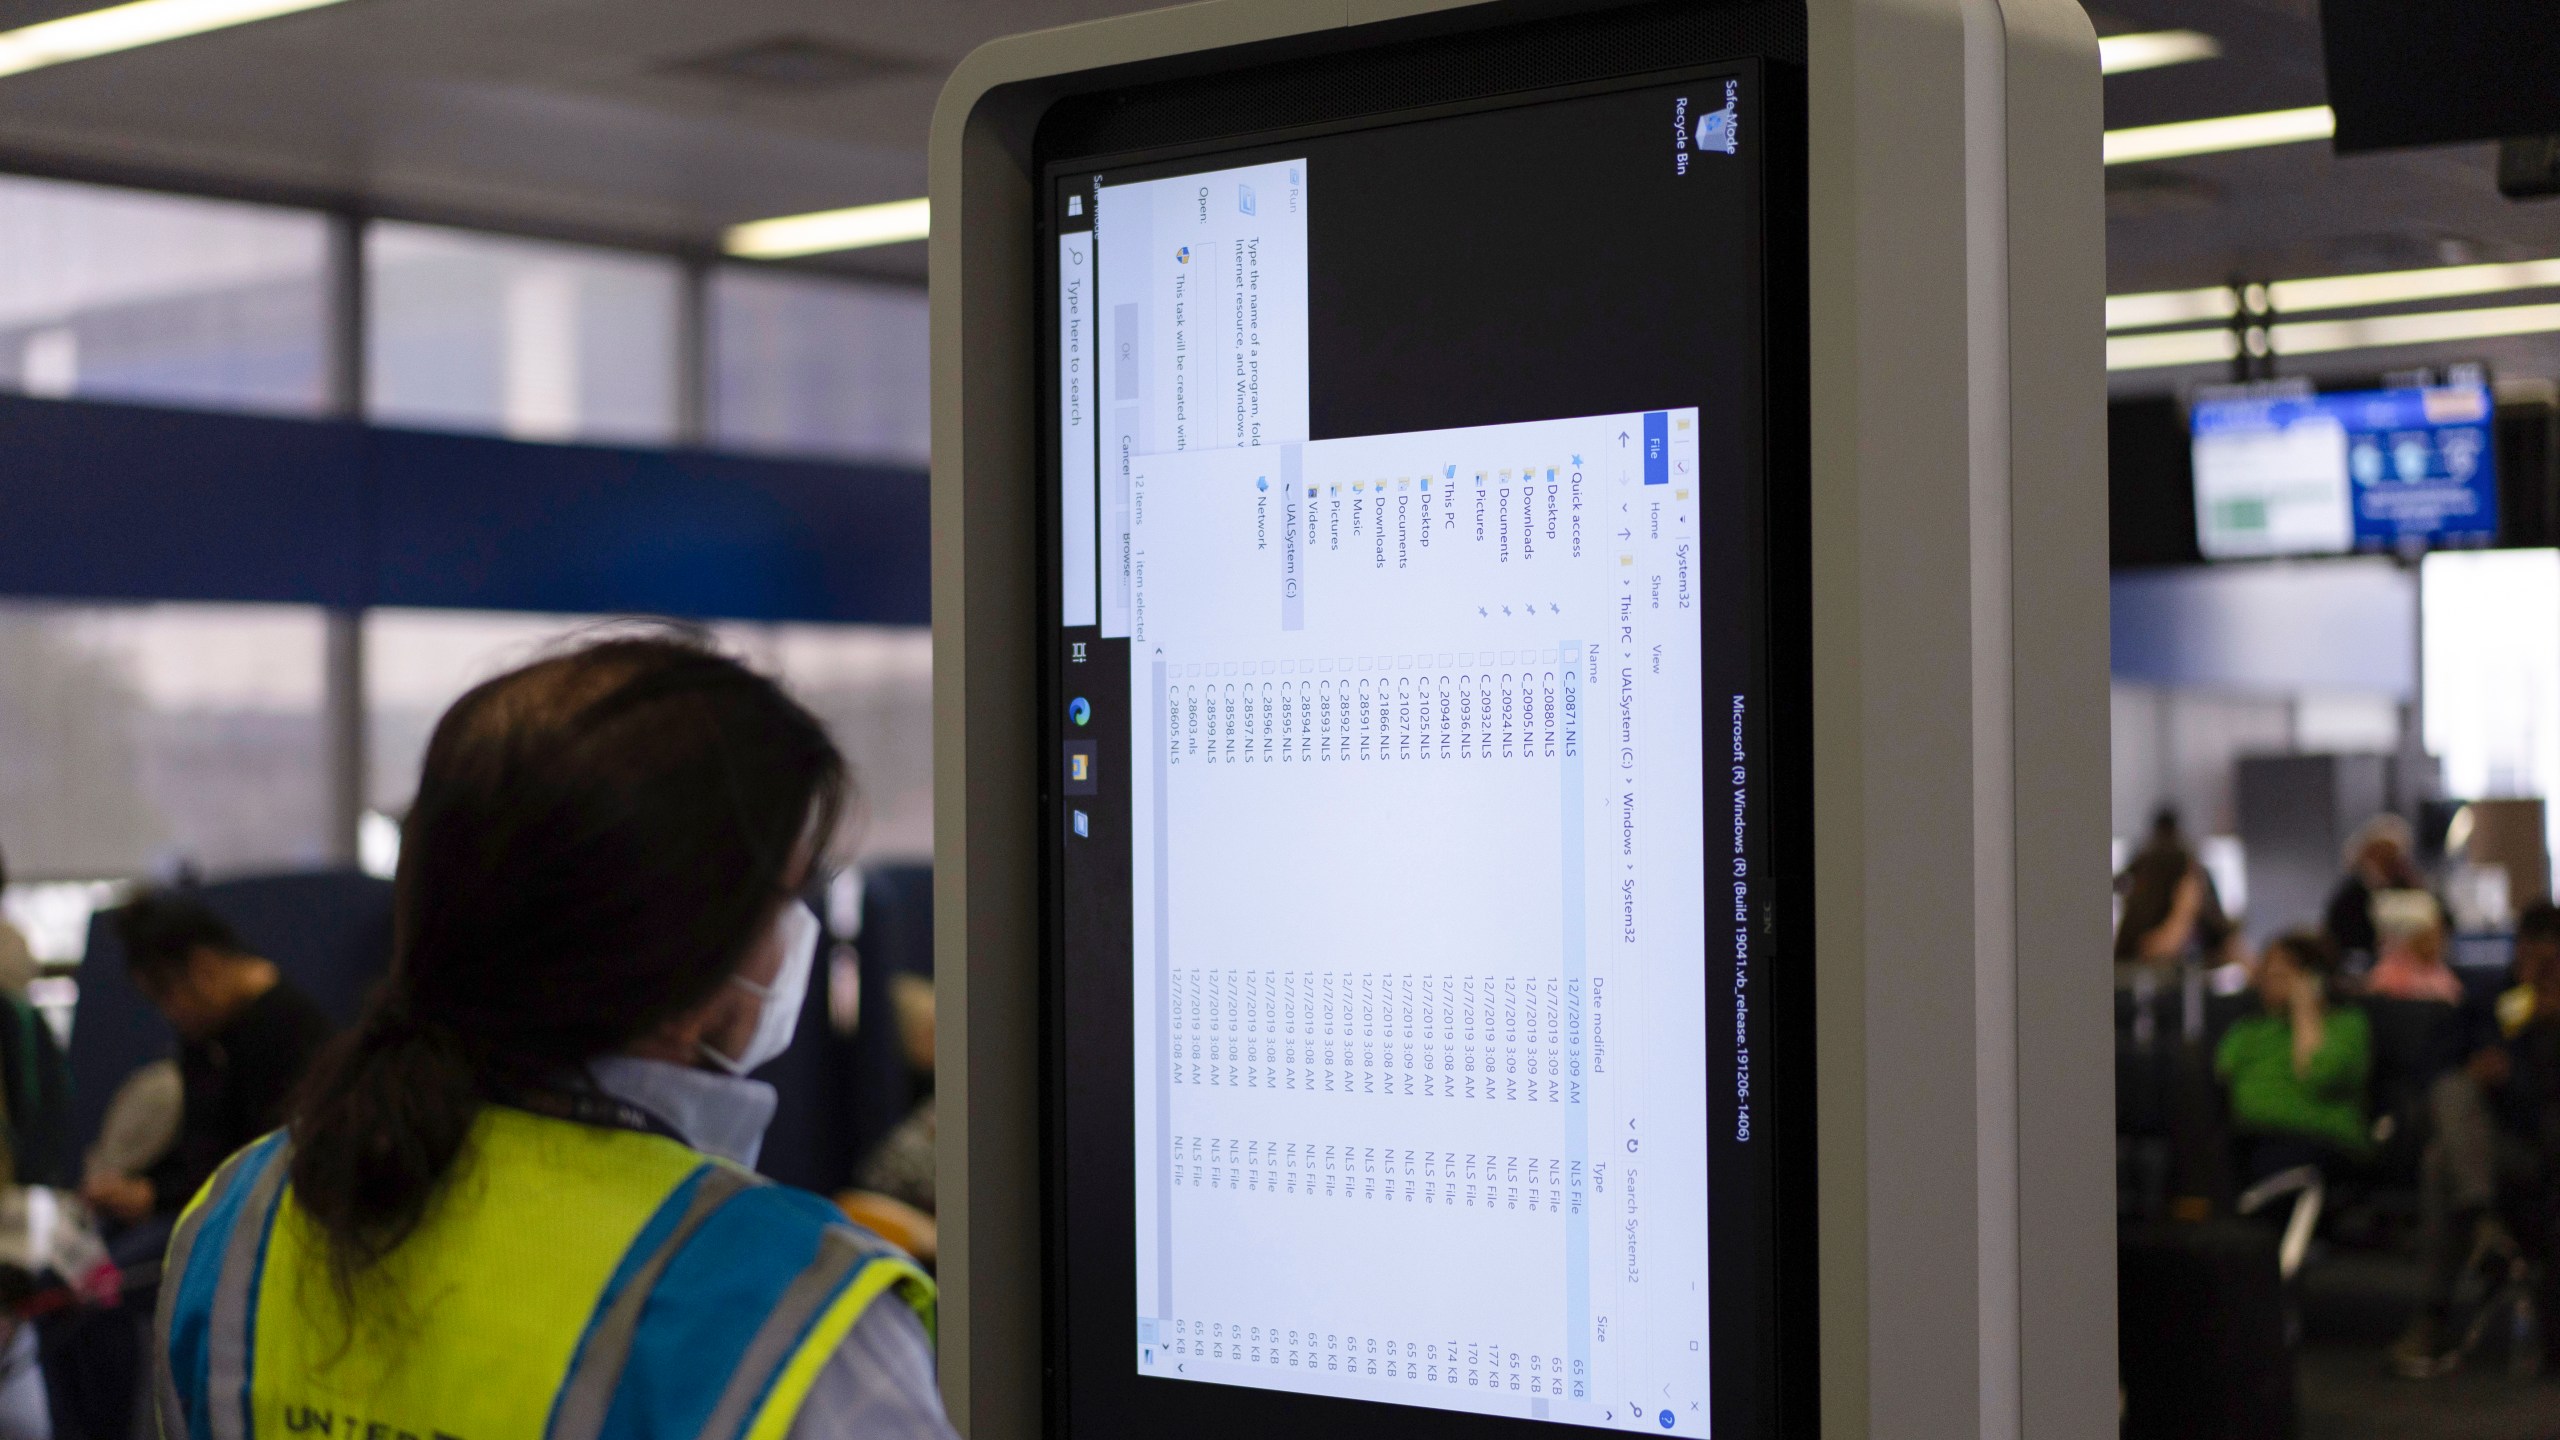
{"x":799,"y":931}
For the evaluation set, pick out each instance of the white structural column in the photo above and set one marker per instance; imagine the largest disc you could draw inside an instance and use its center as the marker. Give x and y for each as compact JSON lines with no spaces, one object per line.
{"x":1960,"y":719}
{"x":2056,"y":225}
{"x":1995,"y":870}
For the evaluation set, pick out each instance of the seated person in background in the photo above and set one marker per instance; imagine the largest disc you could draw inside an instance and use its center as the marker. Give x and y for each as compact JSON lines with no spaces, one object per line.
{"x":245,"y":1037}
{"x":17,"y":962}
{"x":895,"y":1189}
{"x":2216,"y":935}
{"x":2170,"y":934}
{"x":2164,"y":909}
{"x":2410,"y":928}
{"x":140,"y":1126}
{"x":2382,"y":856}
{"x":2171,"y":931}
{"x":2296,"y":1073}
{"x":2495,"y":1129}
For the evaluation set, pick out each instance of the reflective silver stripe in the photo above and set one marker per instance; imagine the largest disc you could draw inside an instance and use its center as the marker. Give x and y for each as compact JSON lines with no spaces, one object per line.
{"x":173,"y":1270}
{"x":227,"y":1342}
{"x":597,"y":1371}
{"x":839,"y":1255}
{"x":164,"y":1391}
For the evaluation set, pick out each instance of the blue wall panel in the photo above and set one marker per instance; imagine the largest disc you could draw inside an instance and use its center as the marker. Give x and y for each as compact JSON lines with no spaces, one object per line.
{"x":129,"y":502}
{"x":492,"y":524}
{"x":2269,"y":627}
{"x":126,"y":502}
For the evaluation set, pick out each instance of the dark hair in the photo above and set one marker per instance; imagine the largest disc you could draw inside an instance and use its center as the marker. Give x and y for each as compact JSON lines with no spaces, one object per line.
{"x":2540,"y":921}
{"x":597,"y":841}
{"x":2310,"y":950}
{"x":2166,"y":832}
{"x":2313,"y":954}
{"x":159,"y":930}
{"x":2150,"y":892}
{"x":4,"y":870}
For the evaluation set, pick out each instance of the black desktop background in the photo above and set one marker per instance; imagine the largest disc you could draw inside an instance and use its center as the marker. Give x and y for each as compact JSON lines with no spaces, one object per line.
{"x":1522,"y":262}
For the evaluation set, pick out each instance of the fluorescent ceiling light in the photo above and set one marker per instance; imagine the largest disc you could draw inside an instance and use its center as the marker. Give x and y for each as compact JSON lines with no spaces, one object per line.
{"x":815,"y":234}
{"x":2171,"y":307}
{"x":2153,"y":49}
{"x":2339,"y":292}
{"x":127,"y":27}
{"x":2318,"y":337}
{"x":2312,"y":337}
{"x":2171,"y":347}
{"x":2223,"y":132}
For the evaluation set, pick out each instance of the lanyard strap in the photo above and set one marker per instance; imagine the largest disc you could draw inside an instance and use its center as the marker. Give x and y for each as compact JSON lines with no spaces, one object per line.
{"x":594,"y":1107}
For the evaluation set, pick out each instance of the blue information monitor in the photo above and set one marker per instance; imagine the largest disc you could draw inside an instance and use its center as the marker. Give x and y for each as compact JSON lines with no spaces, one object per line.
{"x":2309,"y":474}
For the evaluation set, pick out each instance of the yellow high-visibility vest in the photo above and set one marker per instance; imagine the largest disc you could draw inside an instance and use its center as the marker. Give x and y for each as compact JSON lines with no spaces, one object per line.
{"x":570,"y":1282}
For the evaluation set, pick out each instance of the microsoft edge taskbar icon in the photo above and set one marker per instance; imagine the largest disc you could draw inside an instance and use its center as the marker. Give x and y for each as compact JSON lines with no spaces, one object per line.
{"x":1080,"y":712}
{"x":1081,"y":777}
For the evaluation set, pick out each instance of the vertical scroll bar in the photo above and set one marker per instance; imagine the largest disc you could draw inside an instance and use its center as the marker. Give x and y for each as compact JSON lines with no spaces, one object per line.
{"x":1163,"y":849}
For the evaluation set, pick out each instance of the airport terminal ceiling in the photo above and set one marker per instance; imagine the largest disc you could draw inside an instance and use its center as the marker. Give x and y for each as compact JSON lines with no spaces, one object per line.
{"x":2295,"y":210}
{"x":665,"y":120}
{"x":689,"y":117}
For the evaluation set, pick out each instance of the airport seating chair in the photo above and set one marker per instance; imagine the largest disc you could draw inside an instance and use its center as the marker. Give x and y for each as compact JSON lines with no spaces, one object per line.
{"x":2414,"y":1042}
{"x":895,"y":1221}
{"x":2170,"y":1134}
{"x":2221,"y":1012}
{"x":2300,"y":1195}
{"x":2142,"y":1109}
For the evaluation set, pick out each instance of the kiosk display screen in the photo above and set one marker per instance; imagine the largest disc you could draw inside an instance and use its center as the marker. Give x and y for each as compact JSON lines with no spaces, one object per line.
{"x":1413,"y":770}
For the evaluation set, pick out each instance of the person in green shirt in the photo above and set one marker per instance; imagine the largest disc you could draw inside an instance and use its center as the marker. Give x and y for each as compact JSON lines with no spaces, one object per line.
{"x":2296,"y":1074}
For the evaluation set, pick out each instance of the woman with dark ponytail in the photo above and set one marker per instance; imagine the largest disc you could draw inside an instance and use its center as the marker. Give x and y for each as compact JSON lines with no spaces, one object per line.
{"x":517,"y":1200}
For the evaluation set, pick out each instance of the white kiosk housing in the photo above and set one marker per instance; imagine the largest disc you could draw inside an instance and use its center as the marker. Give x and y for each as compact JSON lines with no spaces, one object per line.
{"x":1956,"y":1239}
